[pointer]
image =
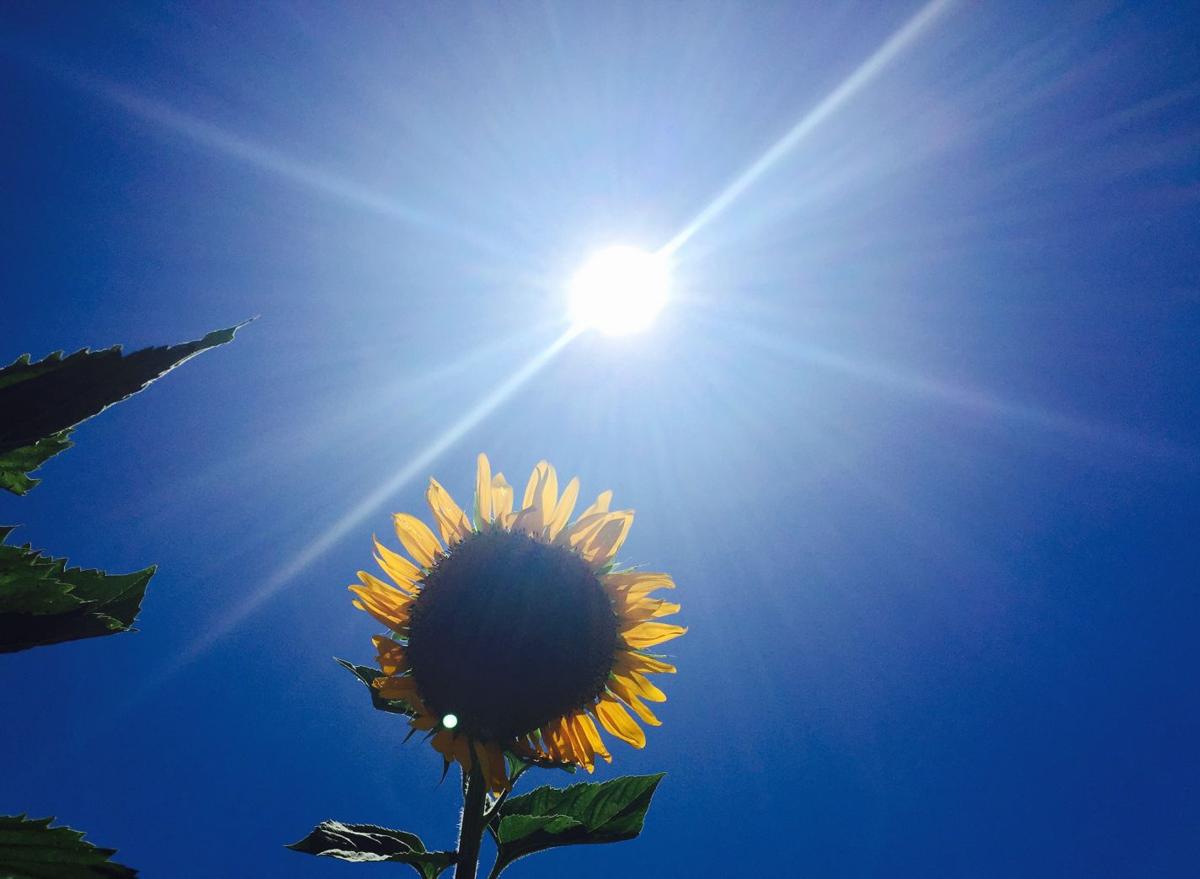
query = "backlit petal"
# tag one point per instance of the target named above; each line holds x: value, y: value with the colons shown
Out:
x: 638, y: 584
x: 584, y: 723
x: 502, y: 496
x: 388, y: 605
x: 541, y: 490
x: 623, y: 688
x: 614, y: 718
x: 602, y: 547
x: 396, y: 688
x: 583, y: 746
x: 629, y: 661
x: 645, y: 609
x: 391, y: 656
x: 645, y: 688
x: 649, y: 634
x: 583, y: 529
x: 603, y: 500
x: 483, y: 493
x: 396, y: 566
x: 420, y: 542
x: 562, y: 512
x: 452, y: 522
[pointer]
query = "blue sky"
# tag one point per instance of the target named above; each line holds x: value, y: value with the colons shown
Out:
x: 917, y: 434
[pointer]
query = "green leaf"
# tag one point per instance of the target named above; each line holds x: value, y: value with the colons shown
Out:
x: 367, y: 843
x: 32, y: 849
x: 14, y: 465
x: 42, y: 601
x: 40, y: 402
x: 367, y: 675
x: 582, y: 814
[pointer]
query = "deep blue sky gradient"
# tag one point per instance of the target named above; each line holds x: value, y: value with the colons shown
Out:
x: 918, y: 435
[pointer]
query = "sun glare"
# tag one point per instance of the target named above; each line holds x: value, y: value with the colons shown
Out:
x: 619, y: 290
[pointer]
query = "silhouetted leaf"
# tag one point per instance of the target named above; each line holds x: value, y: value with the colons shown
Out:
x: 582, y: 814
x: 367, y: 675
x: 42, y: 601
x: 15, y: 464
x: 32, y: 849
x: 367, y: 843
x: 40, y: 402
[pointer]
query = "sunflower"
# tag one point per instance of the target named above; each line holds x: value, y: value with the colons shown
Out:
x: 516, y: 632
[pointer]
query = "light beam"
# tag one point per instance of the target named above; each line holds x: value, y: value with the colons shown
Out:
x: 850, y: 86
x: 353, y: 517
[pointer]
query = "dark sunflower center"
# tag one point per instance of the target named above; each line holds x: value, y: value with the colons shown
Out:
x: 508, y: 633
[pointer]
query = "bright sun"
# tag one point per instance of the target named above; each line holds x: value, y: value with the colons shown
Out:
x: 619, y: 290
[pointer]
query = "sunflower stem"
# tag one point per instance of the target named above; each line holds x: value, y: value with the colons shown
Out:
x: 470, y: 832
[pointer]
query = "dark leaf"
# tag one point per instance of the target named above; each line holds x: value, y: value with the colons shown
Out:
x: 42, y: 601
x: 367, y: 675
x: 32, y: 849
x: 367, y: 843
x: 40, y: 401
x: 582, y: 814
x: 14, y: 465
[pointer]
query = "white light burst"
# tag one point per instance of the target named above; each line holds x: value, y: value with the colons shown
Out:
x: 619, y: 290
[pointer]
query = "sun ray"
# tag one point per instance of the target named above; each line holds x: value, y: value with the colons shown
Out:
x: 851, y: 85
x: 415, y: 467
x: 236, y: 146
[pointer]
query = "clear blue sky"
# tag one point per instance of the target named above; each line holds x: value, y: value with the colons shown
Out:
x: 918, y: 434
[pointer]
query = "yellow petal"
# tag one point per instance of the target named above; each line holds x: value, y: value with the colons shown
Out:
x: 562, y: 747
x: 483, y: 493
x: 645, y: 609
x: 638, y: 584
x: 578, y: 753
x: 420, y: 542
x: 582, y: 530
x: 388, y: 605
x: 602, y: 547
x: 396, y: 566
x: 630, y: 661
x: 502, y: 496
x: 600, y: 506
x: 548, y: 746
x: 541, y: 491
x: 624, y: 689
x: 649, y: 634
x: 384, y: 591
x: 585, y: 725
x: 582, y: 744
x: 452, y: 522
x: 614, y: 718
x: 392, y: 658
x: 528, y: 522
x: 645, y: 688
x: 562, y: 512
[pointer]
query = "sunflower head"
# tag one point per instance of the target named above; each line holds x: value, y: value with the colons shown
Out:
x: 515, y: 632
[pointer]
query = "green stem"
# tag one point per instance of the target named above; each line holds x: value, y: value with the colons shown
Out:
x: 470, y: 832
